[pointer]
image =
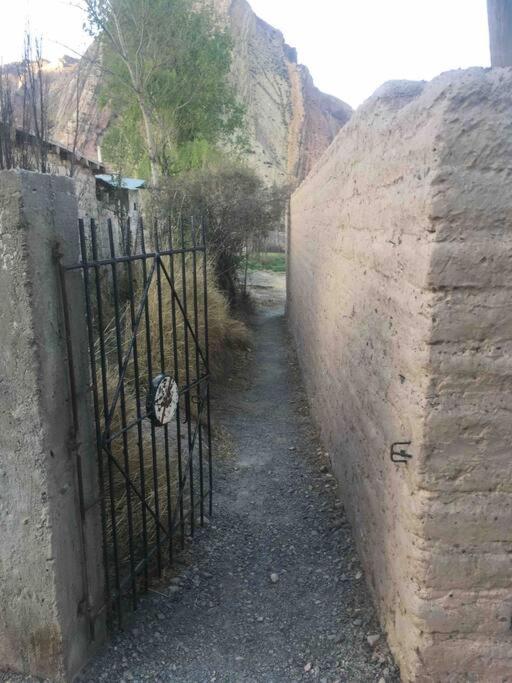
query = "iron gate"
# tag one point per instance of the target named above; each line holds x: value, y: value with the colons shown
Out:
x: 146, y: 309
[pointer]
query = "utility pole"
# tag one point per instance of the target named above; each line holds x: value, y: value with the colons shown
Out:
x: 500, y: 29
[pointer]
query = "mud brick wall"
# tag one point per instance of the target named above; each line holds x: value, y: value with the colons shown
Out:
x: 400, y: 303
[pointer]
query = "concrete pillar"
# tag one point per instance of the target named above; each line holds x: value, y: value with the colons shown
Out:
x: 51, y: 573
x: 500, y: 29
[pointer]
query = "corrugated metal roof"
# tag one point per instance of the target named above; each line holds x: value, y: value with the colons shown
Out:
x: 123, y: 183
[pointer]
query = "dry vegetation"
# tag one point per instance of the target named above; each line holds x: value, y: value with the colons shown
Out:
x: 141, y: 451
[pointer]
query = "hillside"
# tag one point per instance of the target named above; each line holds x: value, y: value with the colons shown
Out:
x: 290, y: 121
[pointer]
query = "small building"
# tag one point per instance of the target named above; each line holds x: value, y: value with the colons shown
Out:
x: 121, y: 195
x: 101, y: 196
x: 95, y: 185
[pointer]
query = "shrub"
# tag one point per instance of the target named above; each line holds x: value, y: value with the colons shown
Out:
x: 239, y: 209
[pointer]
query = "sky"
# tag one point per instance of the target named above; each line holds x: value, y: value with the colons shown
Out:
x: 351, y: 47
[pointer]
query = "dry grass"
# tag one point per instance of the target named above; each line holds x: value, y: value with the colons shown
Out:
x: 225, y: 333
x: 152, y: 475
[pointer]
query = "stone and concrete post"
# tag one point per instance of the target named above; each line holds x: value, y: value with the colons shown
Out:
x: 500, y: 29
x: 51, y: 574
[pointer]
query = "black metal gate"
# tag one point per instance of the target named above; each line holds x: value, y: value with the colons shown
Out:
x: 146, y: 306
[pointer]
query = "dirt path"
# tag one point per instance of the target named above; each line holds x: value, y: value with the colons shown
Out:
x: 275, y: 592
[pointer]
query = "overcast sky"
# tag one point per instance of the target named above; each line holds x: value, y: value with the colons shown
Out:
x: 350, y: 46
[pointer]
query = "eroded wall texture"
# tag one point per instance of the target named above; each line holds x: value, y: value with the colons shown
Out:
x: 51, y: 571
x: 400, y: 304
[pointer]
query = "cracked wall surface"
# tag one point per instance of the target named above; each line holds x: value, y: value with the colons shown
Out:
x: 400, y: 305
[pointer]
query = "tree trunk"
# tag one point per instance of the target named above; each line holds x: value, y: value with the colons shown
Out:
x: 150, y: 142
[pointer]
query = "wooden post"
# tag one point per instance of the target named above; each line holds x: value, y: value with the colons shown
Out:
x: 500, y: 29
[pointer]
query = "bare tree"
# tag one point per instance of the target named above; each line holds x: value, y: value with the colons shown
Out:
x: 239, y: 208
x: 35, y: 106
x: 7, y: 123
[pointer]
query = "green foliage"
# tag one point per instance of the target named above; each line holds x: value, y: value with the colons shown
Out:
x: 124, y: 146
x: 166, y: 66
x: 267, y: 261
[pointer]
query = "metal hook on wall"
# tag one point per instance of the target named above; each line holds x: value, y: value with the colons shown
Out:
x: 401, y: 457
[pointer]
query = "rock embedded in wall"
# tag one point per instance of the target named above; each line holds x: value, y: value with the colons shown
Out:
x: 401, y: 315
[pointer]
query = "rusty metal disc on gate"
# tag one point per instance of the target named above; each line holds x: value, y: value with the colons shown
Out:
x: 162, y: 400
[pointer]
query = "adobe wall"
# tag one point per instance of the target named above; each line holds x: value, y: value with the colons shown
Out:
x: 400, y: 304
x: 51, y: 569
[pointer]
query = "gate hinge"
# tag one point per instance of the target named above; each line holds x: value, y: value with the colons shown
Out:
x: 401, y: 456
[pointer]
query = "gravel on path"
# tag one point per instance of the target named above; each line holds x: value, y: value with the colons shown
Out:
x: 274, y: 591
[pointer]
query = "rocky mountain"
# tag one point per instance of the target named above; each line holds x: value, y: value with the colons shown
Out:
x: 74, y: 86
x: 290, y: 121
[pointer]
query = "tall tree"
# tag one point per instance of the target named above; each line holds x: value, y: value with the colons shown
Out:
x: 166, y: 66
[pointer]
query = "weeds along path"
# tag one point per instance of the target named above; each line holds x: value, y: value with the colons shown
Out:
x: 274, y: 590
